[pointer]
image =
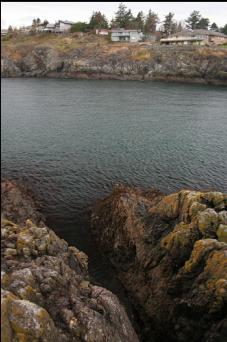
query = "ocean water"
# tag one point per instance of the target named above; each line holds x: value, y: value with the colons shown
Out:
x: 71, y: 140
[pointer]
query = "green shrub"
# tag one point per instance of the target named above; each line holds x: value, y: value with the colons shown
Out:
x: 79, y: 27
x: 7, y: 37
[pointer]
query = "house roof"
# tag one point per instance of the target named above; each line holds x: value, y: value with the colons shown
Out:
x: 209, y: 33
x: 172, y: 39
x: 124, y: 30
x: 50, y: 26
x: 192, y: 33
x: 66, y: 22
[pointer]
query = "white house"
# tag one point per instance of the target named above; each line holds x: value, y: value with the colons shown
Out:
x: 4, y: 32
x: 119, y: 35
x: 50, y: 28
x: 102, y: 32
x: 65, y: 25
x: 60, y: 26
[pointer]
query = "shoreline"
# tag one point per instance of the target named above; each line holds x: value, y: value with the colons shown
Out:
x: 114, y: 77
x: 158, y: 246
x: 98, y: 59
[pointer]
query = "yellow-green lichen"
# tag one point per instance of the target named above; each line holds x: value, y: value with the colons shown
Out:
x: 222, y: 233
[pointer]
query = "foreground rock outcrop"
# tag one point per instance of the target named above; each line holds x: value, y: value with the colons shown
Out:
x: 46, y: 290
x: 95, y: 57
x: 170, y: 252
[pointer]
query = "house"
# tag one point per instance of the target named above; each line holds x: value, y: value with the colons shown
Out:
x: 50, y: 28
x: 102, y: 32
x: 3, y: 32
x: 211, y: 37
x: 119, y: 35
x: 198, y: 37
x: 61, y: 26
x: 182, y: 41
x: 65, y: 25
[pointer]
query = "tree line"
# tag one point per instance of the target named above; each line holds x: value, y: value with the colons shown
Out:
x: 147, y: 22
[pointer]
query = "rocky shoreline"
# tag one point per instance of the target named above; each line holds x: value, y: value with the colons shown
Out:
x: 46, y: 290
x: 99, y: 60
x: 170, y: 253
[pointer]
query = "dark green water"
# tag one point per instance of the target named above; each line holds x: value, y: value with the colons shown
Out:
x: 72, y: 140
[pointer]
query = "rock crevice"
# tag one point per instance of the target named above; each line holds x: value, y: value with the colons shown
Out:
x: 170, y: 253
x: 47, y: 294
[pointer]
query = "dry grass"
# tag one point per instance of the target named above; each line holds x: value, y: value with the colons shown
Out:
x: 64, y: 43
x: 206, y: 52
x: 141, y: 54
x: 19, y: 46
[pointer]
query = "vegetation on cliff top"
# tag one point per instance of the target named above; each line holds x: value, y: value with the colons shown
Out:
x: 21, y: 45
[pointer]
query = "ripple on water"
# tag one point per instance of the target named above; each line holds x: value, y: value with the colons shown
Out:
x: 72, y: 140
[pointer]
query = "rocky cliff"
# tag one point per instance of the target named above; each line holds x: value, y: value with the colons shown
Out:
x: 46, y: 290
x: 95, y: 57
x: 170, y: 252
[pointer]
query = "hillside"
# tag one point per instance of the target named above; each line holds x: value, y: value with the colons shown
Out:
x: 92, y: 56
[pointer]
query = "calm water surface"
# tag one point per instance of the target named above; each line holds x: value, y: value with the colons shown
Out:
x: 72, y: 140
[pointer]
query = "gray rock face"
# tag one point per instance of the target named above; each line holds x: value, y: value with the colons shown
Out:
x: 46, y: 291
x: 9, y: 68
x: 188, y: 64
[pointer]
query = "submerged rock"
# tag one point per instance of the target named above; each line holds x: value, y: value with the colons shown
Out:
x: 171, y: 255
x: 46, y: 290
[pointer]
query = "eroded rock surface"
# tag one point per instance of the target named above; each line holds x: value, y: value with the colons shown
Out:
x: 95, y: 58
x: 170, y: 252
x: 46, y: 290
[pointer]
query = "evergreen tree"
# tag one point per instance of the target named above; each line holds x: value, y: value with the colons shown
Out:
x: 224, y: 29
x: 98, y: 21
x: 79, y: 27
x: 113, y: 23
x: 174, y: 28
x: 139, y: 21
x: 214, y: 27
x: 169, y: 25
x: 193, y: 20
x: 151, y: 22
x: 124, y: 18
x: 129, y: 20
x: 179, y: 27
x: 203, y: 24
x: 121, y: 16
x: 45, y: 22
x: 10, y: 29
